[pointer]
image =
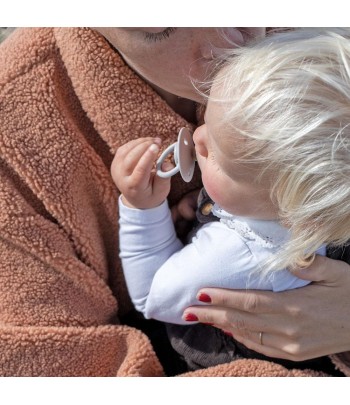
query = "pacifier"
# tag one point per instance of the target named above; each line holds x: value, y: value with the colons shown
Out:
x: 184, y: 157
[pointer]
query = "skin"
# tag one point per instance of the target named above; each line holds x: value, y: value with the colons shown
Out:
x: 243, y: 195
x: 169, y: 63
x: 296, y: 325
x: 245, y: 315
x: 134, y: 175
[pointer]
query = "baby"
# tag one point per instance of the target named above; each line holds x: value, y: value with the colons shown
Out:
x: 274, y: 154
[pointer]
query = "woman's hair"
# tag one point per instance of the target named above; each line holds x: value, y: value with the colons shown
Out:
x: 289, y: 96
x: 5, y: 32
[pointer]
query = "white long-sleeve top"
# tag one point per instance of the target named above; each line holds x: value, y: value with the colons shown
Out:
x: 163, y: 276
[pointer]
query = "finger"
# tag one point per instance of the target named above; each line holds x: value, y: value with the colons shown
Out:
x: 323, y: 269
x: 132, y: 159
x: 125, y: 149
x: 277, y: 340
x: 161, y: 185
x: 270, y: 345
x: 118, y: 164
x: 252, y: 301
x: 142, y: 170
x: 228, y: 319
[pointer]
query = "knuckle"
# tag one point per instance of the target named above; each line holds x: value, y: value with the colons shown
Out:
x: 294, y: 352
x: 295, y: 312
x: 127, y: 161
x: 251, y: 303
x: 222, y: 319
x: 246, y: 334
x: 293, y: 333
x: 240, y: 324
x: 206, y: 318
x: 228, y: 317
x: 223, y: 300
x: 220, y: 297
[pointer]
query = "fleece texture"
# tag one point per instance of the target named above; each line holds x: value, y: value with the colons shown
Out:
x: 67, y: 101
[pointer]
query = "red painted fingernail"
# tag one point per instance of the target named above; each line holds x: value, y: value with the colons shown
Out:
x: 204, y: 297
x: 191, y: 317
x: 227, y: 333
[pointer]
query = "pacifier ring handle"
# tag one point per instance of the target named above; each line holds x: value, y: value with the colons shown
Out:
x: 167, y: 152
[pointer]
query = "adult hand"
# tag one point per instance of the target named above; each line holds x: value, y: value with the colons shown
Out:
x: 297, y: 324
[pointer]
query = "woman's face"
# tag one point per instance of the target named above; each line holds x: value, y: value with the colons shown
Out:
x: 170, y: 57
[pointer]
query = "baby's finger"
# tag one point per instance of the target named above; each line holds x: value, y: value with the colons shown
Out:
x: 162, y: 185
x: 132, y: 159
x: 123, y: 150
x: 127, y: 151
x: 142, y: 171
x: 118, y: 165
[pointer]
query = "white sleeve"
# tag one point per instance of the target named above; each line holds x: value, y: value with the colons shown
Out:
x: 147, y: 239
x: 163, y: 276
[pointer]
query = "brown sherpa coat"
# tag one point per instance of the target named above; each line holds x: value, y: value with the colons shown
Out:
x: 67, y: 101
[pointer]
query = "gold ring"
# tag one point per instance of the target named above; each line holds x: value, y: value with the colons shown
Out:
x: 260, y: 338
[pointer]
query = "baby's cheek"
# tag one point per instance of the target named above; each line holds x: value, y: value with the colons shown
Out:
x: 212, y: 187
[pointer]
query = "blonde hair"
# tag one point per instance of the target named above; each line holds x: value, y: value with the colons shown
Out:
x: 289, y: 95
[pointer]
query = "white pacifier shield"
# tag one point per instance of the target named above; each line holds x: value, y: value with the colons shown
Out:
x: 184, y: 156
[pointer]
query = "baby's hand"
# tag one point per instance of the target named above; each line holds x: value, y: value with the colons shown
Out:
x: 134, y: 174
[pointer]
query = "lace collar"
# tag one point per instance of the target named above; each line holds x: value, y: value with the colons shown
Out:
x: 266, y: 233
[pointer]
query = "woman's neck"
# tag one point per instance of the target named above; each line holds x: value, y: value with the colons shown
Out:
x: 183, y: 106
x: 186, y: 108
